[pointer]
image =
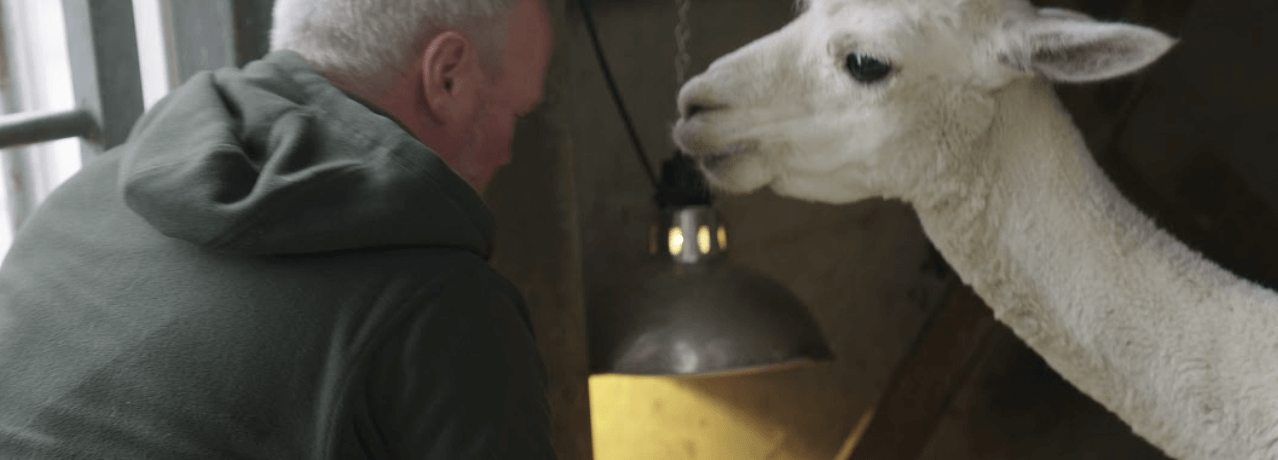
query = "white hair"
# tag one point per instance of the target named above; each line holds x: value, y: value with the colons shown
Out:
x: 367, y: 43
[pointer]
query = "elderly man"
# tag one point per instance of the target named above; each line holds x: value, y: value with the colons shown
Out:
x: 288, y: 261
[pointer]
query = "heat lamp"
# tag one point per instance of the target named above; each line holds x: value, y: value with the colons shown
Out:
x: 690, y: 310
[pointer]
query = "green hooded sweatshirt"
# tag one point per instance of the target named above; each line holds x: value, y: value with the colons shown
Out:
x: 267, y: 269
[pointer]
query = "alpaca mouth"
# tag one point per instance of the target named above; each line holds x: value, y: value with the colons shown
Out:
x: 709, y: 169
x: 713, y: 161
x: 716, y: 161
x: 714, y: 166
x: 722, y: 154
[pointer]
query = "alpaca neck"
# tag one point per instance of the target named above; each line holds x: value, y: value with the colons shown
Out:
x: 1180, y: 349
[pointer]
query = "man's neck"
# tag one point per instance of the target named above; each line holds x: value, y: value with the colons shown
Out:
x: 377, y: 109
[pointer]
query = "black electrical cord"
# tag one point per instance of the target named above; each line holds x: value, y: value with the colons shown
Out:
x: 616, y: 95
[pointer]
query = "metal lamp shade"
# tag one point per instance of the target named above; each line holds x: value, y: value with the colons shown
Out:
x: 693, y: 312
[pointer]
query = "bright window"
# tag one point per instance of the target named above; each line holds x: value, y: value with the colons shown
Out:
x: 35, y: 59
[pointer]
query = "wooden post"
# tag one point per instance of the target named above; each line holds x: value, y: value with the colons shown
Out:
x: 927, y: 379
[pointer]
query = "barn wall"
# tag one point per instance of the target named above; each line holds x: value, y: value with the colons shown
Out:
x: 864, y: 269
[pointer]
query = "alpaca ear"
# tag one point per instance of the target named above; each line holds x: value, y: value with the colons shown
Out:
x: 1066, y: 46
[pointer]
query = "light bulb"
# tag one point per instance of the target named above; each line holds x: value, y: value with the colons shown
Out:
x: 676, y: 241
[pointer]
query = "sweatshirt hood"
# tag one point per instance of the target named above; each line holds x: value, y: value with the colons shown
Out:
x: 275, y: 159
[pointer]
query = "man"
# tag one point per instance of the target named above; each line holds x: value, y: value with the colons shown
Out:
x: 289, y: 261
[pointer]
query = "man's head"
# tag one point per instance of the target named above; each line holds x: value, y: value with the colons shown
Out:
x: 457, y: 73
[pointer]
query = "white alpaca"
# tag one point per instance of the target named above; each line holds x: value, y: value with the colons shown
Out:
x: 947, y: 105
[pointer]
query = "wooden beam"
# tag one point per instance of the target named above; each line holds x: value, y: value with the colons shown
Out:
x: 927, y: 379
x: 199, y: 36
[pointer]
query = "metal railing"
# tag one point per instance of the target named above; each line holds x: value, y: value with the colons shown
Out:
x: 33, y: 127
x: 102, y: 51
x: 102, y: 47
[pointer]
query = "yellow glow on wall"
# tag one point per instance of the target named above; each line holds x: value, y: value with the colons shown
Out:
x: 676, y: 241
x: 653, y: 233
x: 656, y: 418
x: 703, y: 239
x: 723, y: 238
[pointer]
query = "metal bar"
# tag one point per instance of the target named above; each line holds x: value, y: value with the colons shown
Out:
x: 32, y: 127
x: 103, y: 48
x: 199, y: 36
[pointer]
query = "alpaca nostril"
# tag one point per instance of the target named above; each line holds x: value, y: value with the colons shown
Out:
x: 694, y: 109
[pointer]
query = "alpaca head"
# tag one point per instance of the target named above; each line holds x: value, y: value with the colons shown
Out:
x: 865, y: 98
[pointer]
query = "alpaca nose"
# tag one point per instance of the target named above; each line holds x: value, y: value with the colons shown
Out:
x: 698, y: 97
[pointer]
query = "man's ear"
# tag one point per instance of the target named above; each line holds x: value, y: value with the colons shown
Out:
x: 1066, y: 46
x: 451, y: 77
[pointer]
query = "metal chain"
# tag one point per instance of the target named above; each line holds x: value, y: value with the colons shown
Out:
x: 682, y: 32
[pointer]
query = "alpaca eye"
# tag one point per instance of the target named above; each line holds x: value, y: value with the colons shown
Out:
x: 866, y: 69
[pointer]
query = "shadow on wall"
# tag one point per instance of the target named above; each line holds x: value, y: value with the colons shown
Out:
x: 1017, y: 408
